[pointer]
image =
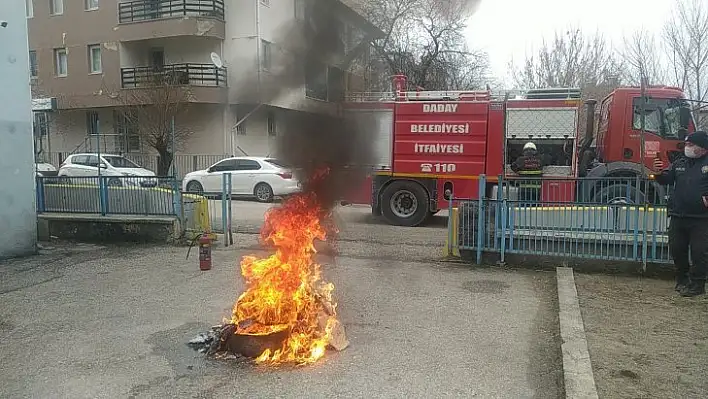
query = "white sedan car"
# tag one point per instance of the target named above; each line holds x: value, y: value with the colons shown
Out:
x: 118, y: 170
x: 262, y: 178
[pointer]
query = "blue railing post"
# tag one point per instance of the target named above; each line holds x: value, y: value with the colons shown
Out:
x: 103, y: 195
x: 177, y: 199
x: 229, y: 191
x: 450, y: 225
x: 41, y: 205
x: 645, y: 248
x: 224, y: 212
x: 480, y: 216
x: 503, y: 231
x: 635, y: 246
x: 498, y: 220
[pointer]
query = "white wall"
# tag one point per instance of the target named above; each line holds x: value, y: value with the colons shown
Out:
x: 18, y: 215
x: 67, y: 129
x: 241, y: 45
x: 177, y: 50
x: 246, y: 26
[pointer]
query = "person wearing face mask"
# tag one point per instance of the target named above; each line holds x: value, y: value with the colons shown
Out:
x: 688, y: 212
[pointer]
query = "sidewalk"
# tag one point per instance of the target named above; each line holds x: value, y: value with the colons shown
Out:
x: 114, y: 322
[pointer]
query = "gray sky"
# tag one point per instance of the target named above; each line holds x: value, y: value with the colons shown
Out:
x: 513, y: 28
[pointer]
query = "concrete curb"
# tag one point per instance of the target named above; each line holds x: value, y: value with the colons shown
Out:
x: 577, y: 368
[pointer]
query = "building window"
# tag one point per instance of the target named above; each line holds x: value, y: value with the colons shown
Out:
x: 265, y: 55
x: 92, y: 123
x: 29, y: 8
x: 299, y: 9
x: 33, y: 63
x: 316, y: 80
x: 61, y: 67
x: 127, y: 134
x: 41, y: 124
x: 241, y: 128
x: 335, y: 84
x: 90, y: 5
x: 272, y: 126
x: 56, y: 7
x: 94, y: 55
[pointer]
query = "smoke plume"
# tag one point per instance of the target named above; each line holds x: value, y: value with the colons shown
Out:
x: 320, y: 146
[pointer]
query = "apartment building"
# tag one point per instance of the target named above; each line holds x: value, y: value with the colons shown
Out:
x: 85, y: 54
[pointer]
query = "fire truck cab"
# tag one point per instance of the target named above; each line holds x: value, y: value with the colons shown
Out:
x: 432, y: 146
x: 615, y: 148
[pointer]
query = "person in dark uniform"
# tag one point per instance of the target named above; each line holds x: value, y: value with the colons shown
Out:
x: 530, y: 166
x: 688, y: 212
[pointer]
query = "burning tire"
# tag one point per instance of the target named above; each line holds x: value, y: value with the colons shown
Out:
x: 405, y: 203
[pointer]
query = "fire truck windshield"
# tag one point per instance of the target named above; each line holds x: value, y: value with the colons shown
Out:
x: 669, y: 118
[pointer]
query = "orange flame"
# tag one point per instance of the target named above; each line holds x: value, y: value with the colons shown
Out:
x: 285, y: 291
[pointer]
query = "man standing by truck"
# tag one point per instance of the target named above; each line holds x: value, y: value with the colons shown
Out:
x: 688, y: 210
x: 530, y: 167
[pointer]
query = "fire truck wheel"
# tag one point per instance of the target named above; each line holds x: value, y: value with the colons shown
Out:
x: 405, y: 203
x: 619, y: 194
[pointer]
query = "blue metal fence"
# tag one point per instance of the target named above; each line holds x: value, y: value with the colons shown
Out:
x: 124, y: 195
x: 524, y: 217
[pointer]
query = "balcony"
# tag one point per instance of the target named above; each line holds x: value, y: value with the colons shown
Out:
x: 149, y: 10
x: 204, y: 80
x: 205, y: 75
x: 148, y: 19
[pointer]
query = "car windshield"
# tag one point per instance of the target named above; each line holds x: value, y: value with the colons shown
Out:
x: 120, y: 162
x: 277, y: 163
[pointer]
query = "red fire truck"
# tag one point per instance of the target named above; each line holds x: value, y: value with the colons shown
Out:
x: 431, y: 144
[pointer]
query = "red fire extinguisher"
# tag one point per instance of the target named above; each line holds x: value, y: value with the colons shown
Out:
x: 204, y: 252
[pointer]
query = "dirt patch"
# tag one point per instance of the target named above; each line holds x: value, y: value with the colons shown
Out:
x: 644, y: 340
x: 546, y: 357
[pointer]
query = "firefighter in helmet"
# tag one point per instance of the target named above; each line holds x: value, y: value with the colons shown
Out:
x: 529, y: 166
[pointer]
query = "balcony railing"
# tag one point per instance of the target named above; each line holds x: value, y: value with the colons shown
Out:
x: 174, y: 74
x: 148, y: 10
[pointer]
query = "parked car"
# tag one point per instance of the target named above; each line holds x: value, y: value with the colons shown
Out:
x: 118, y: 170
x: 45, y: 169
x: 258, y: 177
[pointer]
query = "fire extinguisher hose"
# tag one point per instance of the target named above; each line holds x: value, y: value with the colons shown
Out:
x: 192, y: 242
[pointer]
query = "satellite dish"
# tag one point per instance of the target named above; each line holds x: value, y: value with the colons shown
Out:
x: 216, y: 60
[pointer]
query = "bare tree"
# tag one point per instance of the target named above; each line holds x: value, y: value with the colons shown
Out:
x: 151, y: 111
x: 686, y: 37
x: 643, y: 59
x: 571, y: 59
x: 424, y: 39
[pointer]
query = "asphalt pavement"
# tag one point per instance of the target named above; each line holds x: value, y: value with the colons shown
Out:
x: 83, y: 321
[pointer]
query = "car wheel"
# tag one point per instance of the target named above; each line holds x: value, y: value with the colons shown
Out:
x: 114, y: 182
x: 263, y: 192
x: 405, y: 203
x: 195, y: 187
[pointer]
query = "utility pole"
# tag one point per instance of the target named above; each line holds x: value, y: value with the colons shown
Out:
x: 642, y: 118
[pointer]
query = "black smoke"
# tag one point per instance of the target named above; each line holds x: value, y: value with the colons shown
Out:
x: 325, y: 148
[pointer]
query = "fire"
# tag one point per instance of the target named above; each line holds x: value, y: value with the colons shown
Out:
x: 285, y: 291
